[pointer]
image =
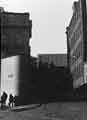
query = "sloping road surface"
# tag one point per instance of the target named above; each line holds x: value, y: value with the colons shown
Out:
x: 52, y: 111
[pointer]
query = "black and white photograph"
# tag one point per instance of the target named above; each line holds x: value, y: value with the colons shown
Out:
x: 43, y: 67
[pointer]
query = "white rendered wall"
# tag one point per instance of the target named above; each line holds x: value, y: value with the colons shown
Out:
x: 9, y: 75
x: 85, y: 72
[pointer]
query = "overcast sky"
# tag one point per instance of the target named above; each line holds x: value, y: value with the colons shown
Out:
x: 49, y: 18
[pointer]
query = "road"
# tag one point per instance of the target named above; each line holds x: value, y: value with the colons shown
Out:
x: 53, y: 111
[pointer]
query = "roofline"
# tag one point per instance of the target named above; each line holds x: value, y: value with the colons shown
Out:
x: 53, y: 54
x: 16, y: 13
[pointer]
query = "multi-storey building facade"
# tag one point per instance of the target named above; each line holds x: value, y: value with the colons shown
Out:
x: 15, y: 33
x: 58, y: 60
x: 77, y: 43
x: 15, y: 53
x: 53, y: 74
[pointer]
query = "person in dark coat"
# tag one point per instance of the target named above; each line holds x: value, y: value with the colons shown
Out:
x: 11, y: 100
x: 15, y: 97
x: 3, y: 99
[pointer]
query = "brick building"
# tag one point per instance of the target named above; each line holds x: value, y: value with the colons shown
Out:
x: 77, y: 43
x: 15, y: 33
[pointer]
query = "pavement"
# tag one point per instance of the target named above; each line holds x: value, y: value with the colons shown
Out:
x: 25, y: 107
x: 51, y: 111
x: 12, y: 113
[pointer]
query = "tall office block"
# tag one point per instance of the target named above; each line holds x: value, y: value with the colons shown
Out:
x: 77, y: 43
x: 15, y: 33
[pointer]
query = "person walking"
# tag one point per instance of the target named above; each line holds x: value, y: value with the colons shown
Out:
x: 11, y: 100
x: 3, y: 100
x: 15, y: 99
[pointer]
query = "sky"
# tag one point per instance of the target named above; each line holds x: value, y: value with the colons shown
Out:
x: 49, y: 21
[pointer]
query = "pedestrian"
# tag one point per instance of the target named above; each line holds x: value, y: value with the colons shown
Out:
x: 11, y: 100
x: 3, y: 100
x: 14, y: 99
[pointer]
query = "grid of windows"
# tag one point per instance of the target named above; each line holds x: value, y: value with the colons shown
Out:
x: 76, y: 35
x: 78, y: 52
x: 75, y: 17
